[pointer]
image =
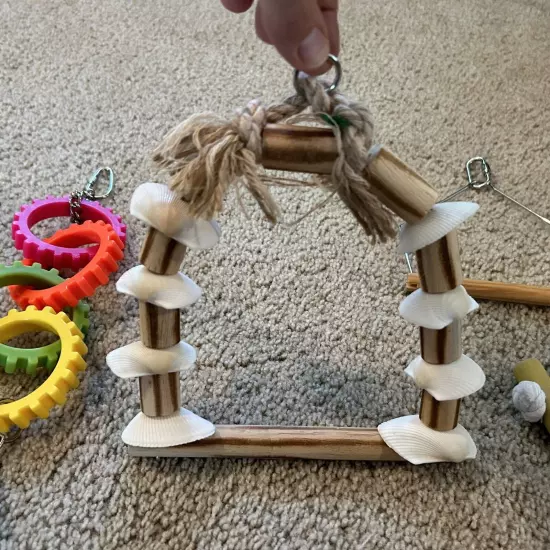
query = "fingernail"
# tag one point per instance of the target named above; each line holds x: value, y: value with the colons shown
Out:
x: 314, y: 49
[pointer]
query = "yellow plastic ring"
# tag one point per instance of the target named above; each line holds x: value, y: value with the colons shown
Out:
x: 54, y: 390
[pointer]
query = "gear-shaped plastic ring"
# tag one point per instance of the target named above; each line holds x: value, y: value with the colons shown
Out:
x: 47, y: 253
x: 25, y: 359
x: 84, y: 283
x: 54, y: 390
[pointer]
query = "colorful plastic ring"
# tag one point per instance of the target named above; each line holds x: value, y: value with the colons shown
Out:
x: 30, y: 359
x: 84, y: 283
x: 54, y: 390
x: 47, y: 253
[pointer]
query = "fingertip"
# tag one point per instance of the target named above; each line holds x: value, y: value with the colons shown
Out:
x: 237, y: 6
x: 260, y: 27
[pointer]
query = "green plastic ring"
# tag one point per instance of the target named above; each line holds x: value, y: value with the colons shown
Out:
x: 30, y: 359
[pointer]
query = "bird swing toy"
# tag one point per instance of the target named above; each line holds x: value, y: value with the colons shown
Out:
x: 204, y: 157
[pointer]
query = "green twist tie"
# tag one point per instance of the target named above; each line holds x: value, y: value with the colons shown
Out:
x: 336, y: 120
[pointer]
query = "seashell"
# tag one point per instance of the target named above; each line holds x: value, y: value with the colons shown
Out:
x: 445, y: 382
x: 436, y: 311
x: 418, y: 444
x: 161, y: 208
x: 136, y: 360
x: 166, y: 291
x: 529, y: 399
x: 440, y: 220
x: 166, y: 431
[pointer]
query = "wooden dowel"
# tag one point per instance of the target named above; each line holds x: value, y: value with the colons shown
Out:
x: 160, y: 394
x: 298, y: 148
x: 440, y: 271
x: 439, y: 265
x: 399, y: 187
x: 159, y: 327
x: 441, y: 347
x: 161, y: 254
x: 313, y: 150
x: 439, y: 415
x: 495, y: 291
x: 283, y: 442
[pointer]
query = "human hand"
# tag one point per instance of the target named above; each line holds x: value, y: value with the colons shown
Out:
x: 303, y: 31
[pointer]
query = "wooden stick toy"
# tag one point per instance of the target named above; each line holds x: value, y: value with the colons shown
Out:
x: 204, y: 157
x: 495, y: 291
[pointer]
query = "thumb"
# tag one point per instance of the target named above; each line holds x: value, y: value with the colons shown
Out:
x: 299, y: 30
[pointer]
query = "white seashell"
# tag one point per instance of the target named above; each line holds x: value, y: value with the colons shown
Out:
x: 529, y: 398
x: 436, y: 311
x: 166, y: 291
x: 161, y: 208
x: 445, y: 382
x: 418, y: 444
x: 136, y: 360
x: 440, y: 220
x: 166, y: 431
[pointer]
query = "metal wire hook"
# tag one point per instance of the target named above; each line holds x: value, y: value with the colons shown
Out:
x: 16, y: 433
x: 484, y: 169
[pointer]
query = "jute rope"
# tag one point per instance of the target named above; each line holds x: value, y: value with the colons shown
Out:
x: 207, y: 154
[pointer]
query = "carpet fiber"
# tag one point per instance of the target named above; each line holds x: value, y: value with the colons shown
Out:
x: 298, y: 324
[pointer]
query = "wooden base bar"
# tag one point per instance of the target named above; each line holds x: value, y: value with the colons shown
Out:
x: 439, y: 415
x: 283, y: 442
x: 441, y: 347
x: 439, y: 265
x: 495, y: 291
x: 161, y: 254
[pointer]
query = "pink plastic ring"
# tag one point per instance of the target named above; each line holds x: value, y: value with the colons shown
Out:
x: 47, y: 254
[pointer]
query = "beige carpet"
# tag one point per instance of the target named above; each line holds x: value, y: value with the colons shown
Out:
x: 297, y: 325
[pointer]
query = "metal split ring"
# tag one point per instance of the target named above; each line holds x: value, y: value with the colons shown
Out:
x: 337, y: 77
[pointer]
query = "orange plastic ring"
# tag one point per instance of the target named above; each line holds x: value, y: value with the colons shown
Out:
x: 84, y: 283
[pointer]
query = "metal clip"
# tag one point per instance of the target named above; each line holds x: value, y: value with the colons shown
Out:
x: 89, y: 193
x: 89, y: 190
x: 478, y: 167
x: 485, y: 171
x: 16, y: 433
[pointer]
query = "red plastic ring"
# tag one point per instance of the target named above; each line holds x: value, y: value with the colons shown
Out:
x: 84, y: 283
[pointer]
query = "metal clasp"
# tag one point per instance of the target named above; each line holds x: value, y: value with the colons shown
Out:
x: 89, y: 189
x: 482, y: 170
x: 89, y: 193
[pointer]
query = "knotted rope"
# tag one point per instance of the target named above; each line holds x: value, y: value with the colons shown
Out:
x: 206, y: 154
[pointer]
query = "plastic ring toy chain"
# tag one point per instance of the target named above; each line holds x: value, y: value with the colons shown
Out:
x: 28, y: 360
x: 44, y: 251
x: 54, y: 390
x: 84, y: 283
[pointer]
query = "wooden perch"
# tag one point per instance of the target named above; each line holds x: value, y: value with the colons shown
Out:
x: 495, y: 291
x: 283, y: 442
x: 307, y: 149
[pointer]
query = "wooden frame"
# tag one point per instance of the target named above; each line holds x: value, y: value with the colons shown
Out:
x: 407, y: 195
